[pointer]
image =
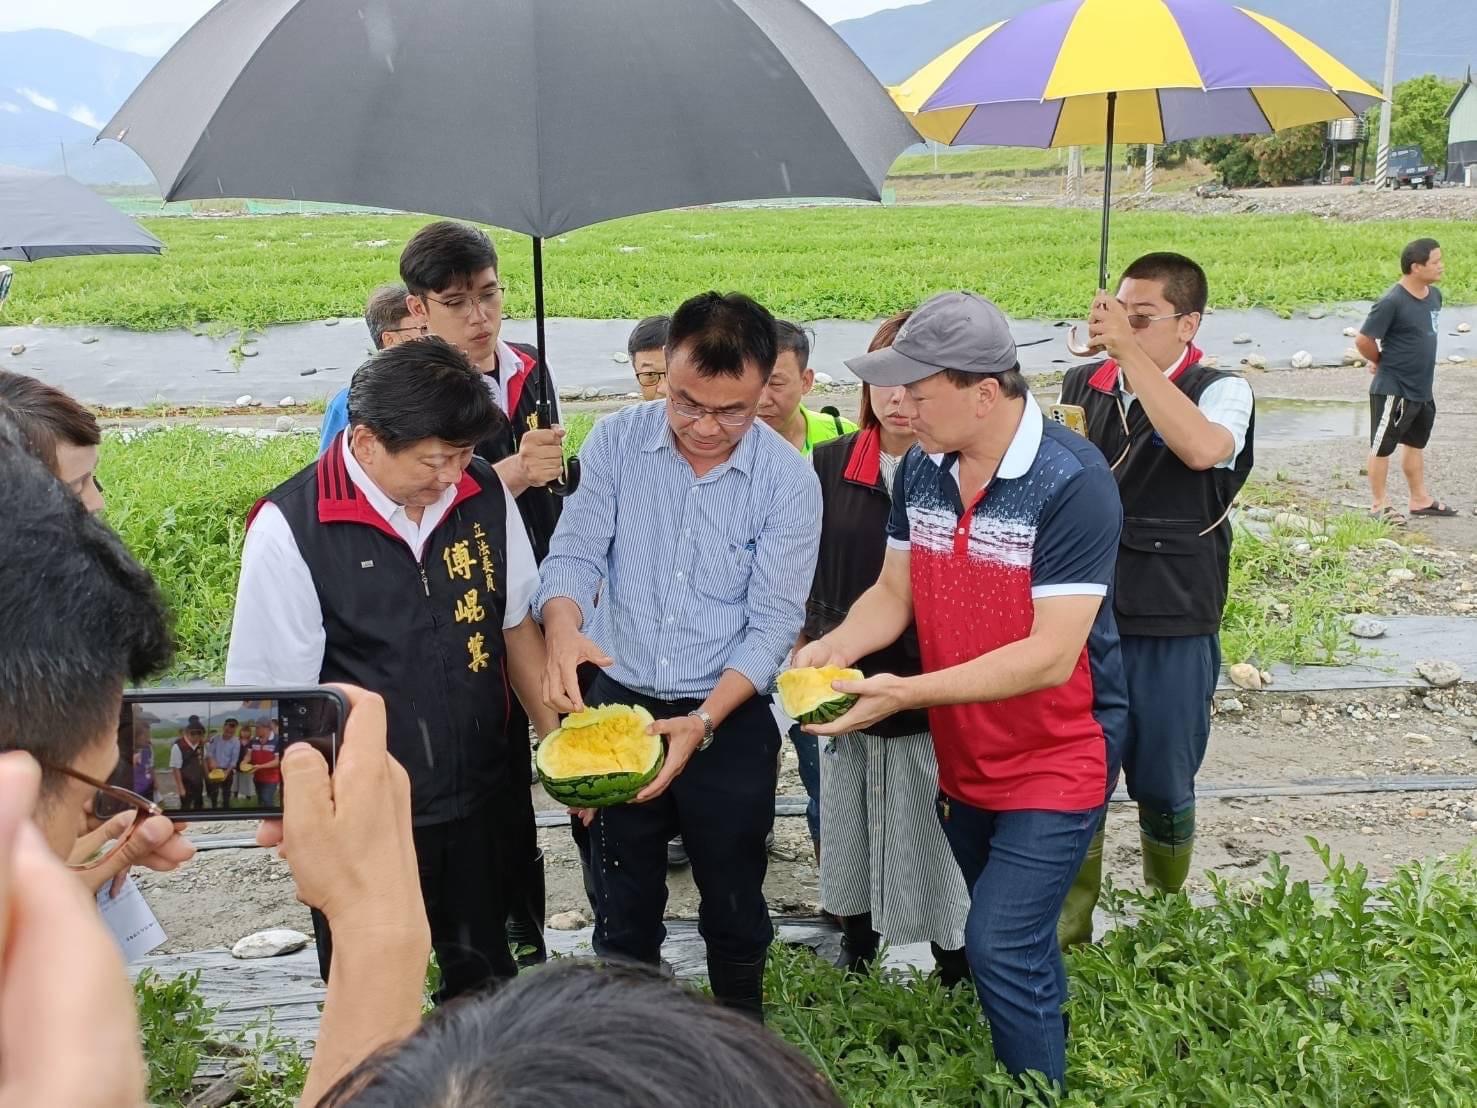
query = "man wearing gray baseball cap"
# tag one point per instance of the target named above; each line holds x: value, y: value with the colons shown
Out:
x: 1001, y: 548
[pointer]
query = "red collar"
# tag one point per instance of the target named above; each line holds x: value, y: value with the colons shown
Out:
x: 518, y: 380
x: 1105, y: 377
x: 864, y: 465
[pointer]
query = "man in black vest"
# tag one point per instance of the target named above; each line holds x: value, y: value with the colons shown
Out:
x: 1179, y: 438
x: 395, y: 563
x: 450, y: 271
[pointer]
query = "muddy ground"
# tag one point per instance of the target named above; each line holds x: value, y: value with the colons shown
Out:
x: 1275, y: 738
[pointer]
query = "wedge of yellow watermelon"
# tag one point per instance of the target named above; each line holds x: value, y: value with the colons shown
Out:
x: 806, y: 694
x: 599, y: 757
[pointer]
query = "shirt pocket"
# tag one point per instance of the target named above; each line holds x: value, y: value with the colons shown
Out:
x: 723, y: 573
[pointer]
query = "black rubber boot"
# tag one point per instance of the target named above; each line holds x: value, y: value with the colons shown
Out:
x: 858, y: 944
x: 950, y: 966
x: 739, y: 985
x: 526, y: 915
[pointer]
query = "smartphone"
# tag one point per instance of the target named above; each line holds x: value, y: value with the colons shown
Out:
x: 208, y: 754
x: 1072, y: 416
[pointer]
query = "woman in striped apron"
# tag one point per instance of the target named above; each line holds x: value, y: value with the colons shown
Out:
x: 886, y: 868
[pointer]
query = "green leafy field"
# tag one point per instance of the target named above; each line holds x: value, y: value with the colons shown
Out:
x: 1268, y: 996
x: 836, y: 262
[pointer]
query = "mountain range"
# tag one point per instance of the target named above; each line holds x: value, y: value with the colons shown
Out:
x: 57, y: 89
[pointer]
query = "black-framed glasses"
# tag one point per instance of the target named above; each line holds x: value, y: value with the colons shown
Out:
x: 107, y: 802
x: 468, y: 305
x: 418, y: 328
x: 650, y: 377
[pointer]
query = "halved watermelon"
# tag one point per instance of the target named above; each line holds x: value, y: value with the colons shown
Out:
x: 600, y: 757
x: 806, y: 694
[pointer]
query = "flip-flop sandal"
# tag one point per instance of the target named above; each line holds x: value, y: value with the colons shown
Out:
x: 1389, y: 515
x: 1435, y: 508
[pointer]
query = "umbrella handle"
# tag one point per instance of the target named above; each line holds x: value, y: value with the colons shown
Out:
x: 1077, y: 349
x: 570, y: 480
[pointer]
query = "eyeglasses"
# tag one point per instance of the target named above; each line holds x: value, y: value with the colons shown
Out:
x: 1141, y: 322
x: 468, y: 305
x: 107, y: 802
x: 692, y: 415
x: 418, y: 328
x: 650, y: 377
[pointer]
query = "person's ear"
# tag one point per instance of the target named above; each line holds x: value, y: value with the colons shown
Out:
x: 807, y: 380
x: 417, y: 308
x: 1189, y: 326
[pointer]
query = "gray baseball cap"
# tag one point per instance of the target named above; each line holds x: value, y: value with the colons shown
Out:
x: 953, y: 330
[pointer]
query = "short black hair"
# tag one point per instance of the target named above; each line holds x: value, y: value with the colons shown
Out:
x: 649, y: 334
x: 1417, y: 253
x: 230, y: 719
x: 1012, y: 382
x: 385, y: 311
x: 722, y: 333
x: 82, y: 618
x: 1185, y: 286
x: 423, y: 389
x: 575, y: 1032
x: 443, y: 254
x: 794, y: 338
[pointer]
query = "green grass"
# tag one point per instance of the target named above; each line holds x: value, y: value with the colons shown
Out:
x: 995, y: 159
x: 1270, y: 995
x: 839, y: 262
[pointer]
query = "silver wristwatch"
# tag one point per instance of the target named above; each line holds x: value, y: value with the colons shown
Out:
x: 707, y: 728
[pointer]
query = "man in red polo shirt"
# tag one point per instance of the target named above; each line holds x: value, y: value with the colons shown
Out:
x: 1001, y: 548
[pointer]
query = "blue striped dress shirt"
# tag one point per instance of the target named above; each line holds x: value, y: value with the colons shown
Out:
x: 694, y: 575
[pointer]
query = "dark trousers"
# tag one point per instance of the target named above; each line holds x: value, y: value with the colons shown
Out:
x: 808, y: 755
x: 722, y: 805
x: 525, y: 889
x: 220, y: 791
x: 1170, y: 685
x: 463, y: 868
x: 1018, y: 867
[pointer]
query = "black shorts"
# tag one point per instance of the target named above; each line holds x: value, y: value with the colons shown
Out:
x: 1395, y: 421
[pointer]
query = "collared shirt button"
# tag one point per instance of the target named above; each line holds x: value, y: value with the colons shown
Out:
x: 679, y: 575
x: 664, y: 661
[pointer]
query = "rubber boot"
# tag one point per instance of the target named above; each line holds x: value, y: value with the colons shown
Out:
x: 526, y: 915
x: 858, y: 944
x: 1165, y: 866
x: 949, y: 966
x: 1074, y: 925
x: 738, y: 985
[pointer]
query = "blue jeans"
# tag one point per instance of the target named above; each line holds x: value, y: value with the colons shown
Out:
x: 266, y: 794
x: 807, y: 752
x: 1018, y: 867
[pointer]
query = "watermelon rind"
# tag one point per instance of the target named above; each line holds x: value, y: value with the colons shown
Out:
x: 596, y: 790
x: 831, y: 705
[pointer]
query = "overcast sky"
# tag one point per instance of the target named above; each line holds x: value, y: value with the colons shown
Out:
x: 87, y: 17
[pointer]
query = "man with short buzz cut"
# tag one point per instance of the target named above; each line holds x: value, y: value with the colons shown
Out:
x: 1179, y: 435
x: 695, y: 526
x: 389, y: 321
x: 1000, y: 551
x: 647, y: 348
x: 1398, y: 340
x: 397, y: 563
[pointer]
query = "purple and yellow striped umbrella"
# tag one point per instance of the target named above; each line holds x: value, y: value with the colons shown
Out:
x: 1080, y: 72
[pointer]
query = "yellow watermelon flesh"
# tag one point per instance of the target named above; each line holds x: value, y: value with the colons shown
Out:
x: 806, y: 694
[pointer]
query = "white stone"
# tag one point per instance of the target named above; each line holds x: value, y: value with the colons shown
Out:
x: 1302, y: 360
x: 620, y: 356
x: 18, y: 348
x: 1463, y: 328
x: 270, y: 944
x: 1350, y: 332
x: 1316, y: 313
x: 1353, y: 357
x: 1244, y: 675
x: 1455, y: 359
x: 1400, y: 573
x: 286, y: 423
x: 567, y: 921
x: 1256, y: 361
x: 330, y: 323
x: 286, y: 402
x: 824, y: 379
x: 1242, y: 339
x: 1440, y: 673
x: 1231, y: 705
x: 89, y: 340
x: 1366, y: 627
x: 1290, y: 716
x: 243, y: 401
x: 1266, y: 676
x: 1291, y: 521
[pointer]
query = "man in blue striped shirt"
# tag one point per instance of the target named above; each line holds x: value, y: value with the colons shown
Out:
x: 697, y: 527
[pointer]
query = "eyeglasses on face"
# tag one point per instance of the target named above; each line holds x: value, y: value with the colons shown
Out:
x: 1141, y: 322
x: 469, y: 305
x: 649, y: 377
x: 692, y: 414
x: 107, y: 802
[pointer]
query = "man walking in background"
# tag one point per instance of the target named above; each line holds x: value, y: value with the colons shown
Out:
x: 1398, y: 340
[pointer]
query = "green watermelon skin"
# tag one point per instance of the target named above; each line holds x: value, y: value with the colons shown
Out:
x: 829, y: 710
x: 602, y: 790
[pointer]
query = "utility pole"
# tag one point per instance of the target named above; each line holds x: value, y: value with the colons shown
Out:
x: 1382, y: 154
x: 63, y: 147
x: 1074, y: 171
x: 1149, y: 170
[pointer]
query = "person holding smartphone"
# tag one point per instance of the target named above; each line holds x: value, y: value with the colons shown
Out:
x: 398, y: 562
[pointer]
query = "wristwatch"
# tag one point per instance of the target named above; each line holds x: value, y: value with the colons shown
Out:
x: 707, y: 728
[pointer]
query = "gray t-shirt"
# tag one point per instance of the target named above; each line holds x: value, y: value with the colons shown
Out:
x: 1406, y: 331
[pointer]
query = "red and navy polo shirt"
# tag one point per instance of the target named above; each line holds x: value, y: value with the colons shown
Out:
x: 1046, y: 525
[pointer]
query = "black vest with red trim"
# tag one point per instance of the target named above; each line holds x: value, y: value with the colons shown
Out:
x: 854, y: 510
x: 426, y: 635
x: 1171, y: 579
x: 538, y: 506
